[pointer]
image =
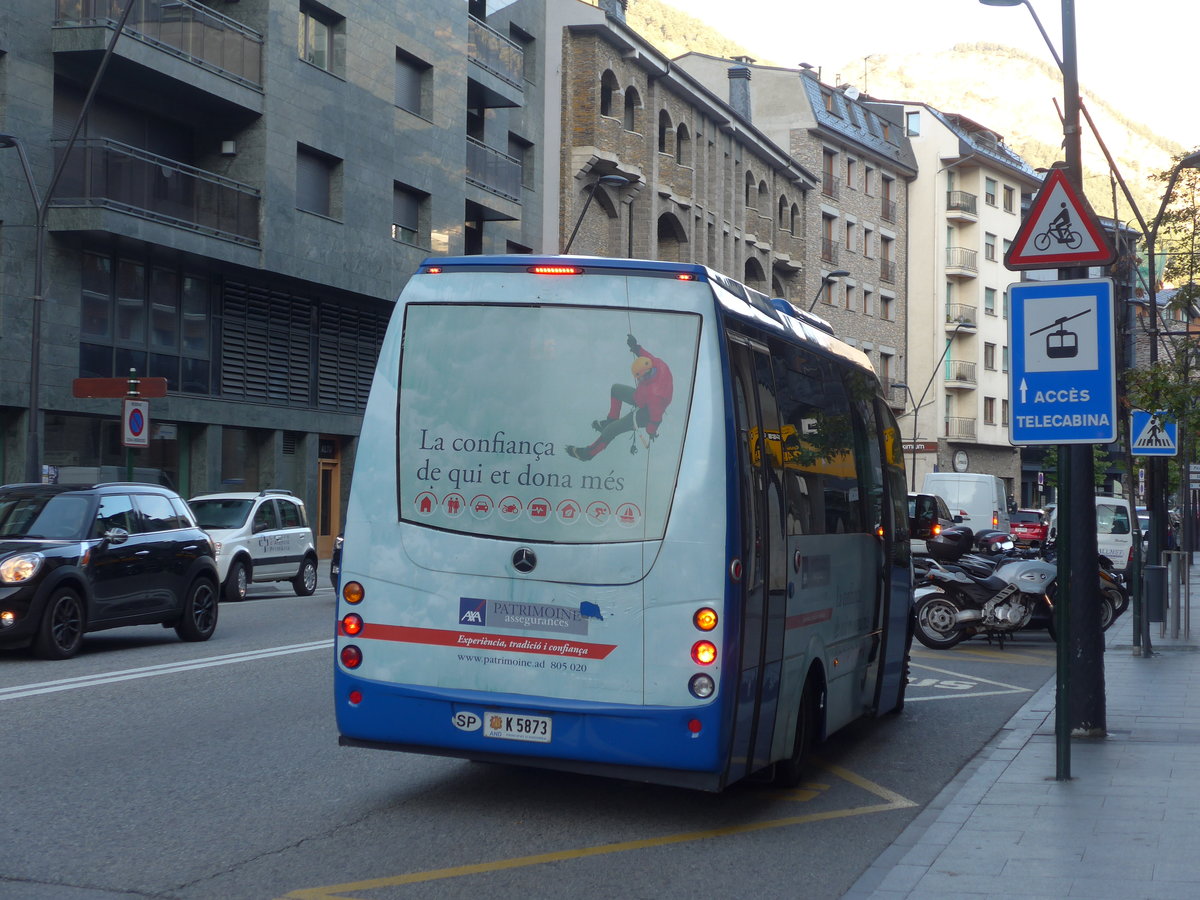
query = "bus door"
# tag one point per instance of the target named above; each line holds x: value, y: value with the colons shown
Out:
x: 763, y: 585
x: 896, y: 614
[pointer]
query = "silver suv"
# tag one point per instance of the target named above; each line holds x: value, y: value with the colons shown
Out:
x: 259, y: 537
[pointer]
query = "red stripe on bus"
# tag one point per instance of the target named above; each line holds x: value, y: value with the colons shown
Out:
x: 808, y: 618
x: 475, y: 641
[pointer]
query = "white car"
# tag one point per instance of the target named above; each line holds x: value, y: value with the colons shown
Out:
x: 259, y: 537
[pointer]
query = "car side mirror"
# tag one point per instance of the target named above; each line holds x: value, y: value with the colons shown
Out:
x: 116, y: 535
x: 958, y: 520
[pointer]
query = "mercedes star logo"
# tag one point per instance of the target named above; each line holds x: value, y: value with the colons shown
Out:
x: 524, y: 561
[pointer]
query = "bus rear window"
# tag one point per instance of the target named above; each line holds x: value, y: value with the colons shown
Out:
x: 543, y: 423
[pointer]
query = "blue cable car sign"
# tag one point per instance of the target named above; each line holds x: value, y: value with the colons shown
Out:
x: 1062, y: 377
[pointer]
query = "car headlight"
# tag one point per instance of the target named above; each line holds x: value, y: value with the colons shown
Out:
x: 20, y: 568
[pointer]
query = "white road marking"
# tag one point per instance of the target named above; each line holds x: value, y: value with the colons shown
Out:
x: 974, y: 679
x: 70, y: 684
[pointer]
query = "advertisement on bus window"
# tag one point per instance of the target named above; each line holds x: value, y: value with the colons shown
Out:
x: 541, y: 423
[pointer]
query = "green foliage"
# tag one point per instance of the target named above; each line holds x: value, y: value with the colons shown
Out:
x: 1100, y: 464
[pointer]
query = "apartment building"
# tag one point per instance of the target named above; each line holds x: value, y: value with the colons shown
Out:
x: 964, y: 210
x: 857, y: 226
x: 251, y: 187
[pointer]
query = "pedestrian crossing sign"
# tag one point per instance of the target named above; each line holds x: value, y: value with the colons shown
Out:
x: 1153, y: 433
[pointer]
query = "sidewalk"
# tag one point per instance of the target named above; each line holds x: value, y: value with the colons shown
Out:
x: 1124, y: 826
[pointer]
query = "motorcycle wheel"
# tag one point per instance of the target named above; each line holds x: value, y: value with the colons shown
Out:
x: 936, y: 628
x: 1110, y: 606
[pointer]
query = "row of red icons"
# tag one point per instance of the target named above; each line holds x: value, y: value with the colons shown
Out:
x: 510, y: 508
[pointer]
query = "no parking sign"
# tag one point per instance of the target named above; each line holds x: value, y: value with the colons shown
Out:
x: 136, y: 419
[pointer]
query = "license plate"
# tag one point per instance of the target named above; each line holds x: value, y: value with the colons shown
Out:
x: 516, y: 727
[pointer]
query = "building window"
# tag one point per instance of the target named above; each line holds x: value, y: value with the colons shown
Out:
x: 912, y: 121
x: 850, y: 297
x: 989, y: 301
x: 869, y: 181
x: 989, y: 191
x: 522, y: 151
x: 408, y: 207
x: 608, y: 87
x: 1003, y: 411
x: 1009, y: 199
x: 315, y: 173
x: 1004, y: 305
x: 319, y: 31
x: 412, y: 83
x: 664, y: 129
x: 683, y: 146
x: 989, y: 410
x: 1004, y: 358
x: 851, y: 174
x: 868, y: 302
x: 887, y: 308
x: 989, y: 247
x: 989, y: 357
x: 850, y: 244
x: 153, y: 318
x: 868, y: 240
x: 632, y: 102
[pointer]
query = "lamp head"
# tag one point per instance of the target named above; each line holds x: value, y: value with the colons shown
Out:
x: 7, y: 141
x: 613, y: 180
x: 1191, y: 161
x: 834, y: 275
x: 1003, y: 2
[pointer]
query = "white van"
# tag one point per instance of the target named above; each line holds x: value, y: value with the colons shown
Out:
x: 1114, y: 530
x: 978, y: 499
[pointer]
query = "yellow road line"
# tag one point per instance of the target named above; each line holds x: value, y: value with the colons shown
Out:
x: 891, y: 799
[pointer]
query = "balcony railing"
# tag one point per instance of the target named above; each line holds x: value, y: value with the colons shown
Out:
x: 888, y: 210
x: 961, y: 312
x: 960, y: 370
x: 829, y: 250
x: 962, y: 258
x: 961, y: 201
x: 112, y: 175
x: 887, y: 271
x: 182, y: 27
x: 830, y: 185
x: 493, y: 171
x: 960, y: 428
x: 491, y: 50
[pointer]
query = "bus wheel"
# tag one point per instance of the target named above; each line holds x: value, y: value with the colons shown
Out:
x: 788, y: 772
x: 936, y: 628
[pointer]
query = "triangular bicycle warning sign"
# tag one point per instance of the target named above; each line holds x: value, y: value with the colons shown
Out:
x: 1060, y: 230
x: 1153, y: 433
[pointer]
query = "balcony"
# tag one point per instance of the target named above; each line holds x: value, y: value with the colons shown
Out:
x: 960, y: 428
x: 106, y: 174
x: 830, y: 185
x: 887, y: 271
x: 182, y: 28
x: 897, y: 395
x: 962, y: 207
x: 961, y: 313
x: 962, y: 262
x: 829, y: 250
x: 493, y: 171
x: 887, y: 210
x: 960, y: 374
x: 494, y: 53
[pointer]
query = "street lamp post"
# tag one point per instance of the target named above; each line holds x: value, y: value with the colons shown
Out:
x: 32, y: 431
x: 1156, y: 488
x: 827, y: 280
x: 616, y: 181
x: 917, y: 403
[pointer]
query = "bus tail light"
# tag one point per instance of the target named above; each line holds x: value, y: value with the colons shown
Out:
x: 355, y: 698
x: 704, y: 652
x: 556, y: 270
x: 702, y: 686
x: 352, y: 592
x: 351, y: 656
x: 705, y: 619
x: 352, y: 624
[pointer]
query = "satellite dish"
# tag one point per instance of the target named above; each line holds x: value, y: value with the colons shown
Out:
x: 851, y: 92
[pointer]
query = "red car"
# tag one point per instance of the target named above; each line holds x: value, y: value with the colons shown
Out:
x: 1028, y: 527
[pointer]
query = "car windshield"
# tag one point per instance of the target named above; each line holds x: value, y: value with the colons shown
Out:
x: 227, y: 513
x: 51, y: 517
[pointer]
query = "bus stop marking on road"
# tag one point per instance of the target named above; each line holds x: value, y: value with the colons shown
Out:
x: 891, y: 801
x: 968, y: 682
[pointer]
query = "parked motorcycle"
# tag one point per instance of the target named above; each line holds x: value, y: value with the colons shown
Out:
x: 979, y: 584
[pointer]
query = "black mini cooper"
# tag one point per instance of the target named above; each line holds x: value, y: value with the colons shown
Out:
x: 79, y: 558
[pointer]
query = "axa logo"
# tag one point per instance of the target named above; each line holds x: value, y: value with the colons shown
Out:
x: 472, y: 611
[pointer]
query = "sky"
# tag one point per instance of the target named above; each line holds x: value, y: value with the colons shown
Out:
x: 1137, y: 56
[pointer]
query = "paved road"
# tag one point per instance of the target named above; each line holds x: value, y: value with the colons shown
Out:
x: 148, y: 767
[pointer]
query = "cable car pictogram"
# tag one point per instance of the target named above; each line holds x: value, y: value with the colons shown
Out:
x: 1061, y: 343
